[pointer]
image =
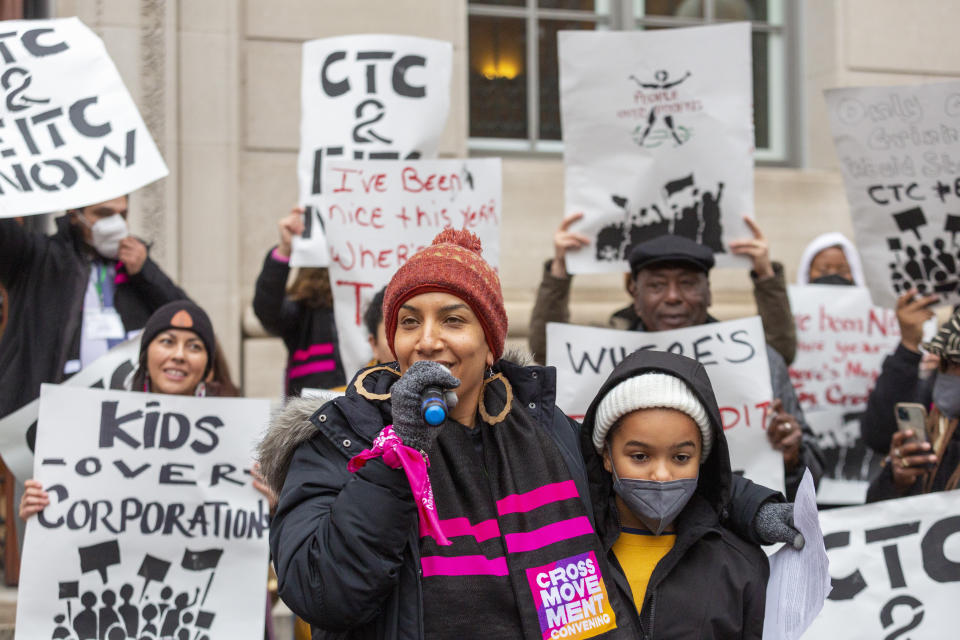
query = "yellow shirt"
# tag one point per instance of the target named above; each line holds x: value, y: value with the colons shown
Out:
x: 638, y: 553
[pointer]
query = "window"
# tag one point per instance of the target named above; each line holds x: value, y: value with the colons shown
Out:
x: 514, y: 89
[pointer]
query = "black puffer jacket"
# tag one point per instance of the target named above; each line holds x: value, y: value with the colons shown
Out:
x: 46, y: 278
x: 309, y: 333
x: 346, y: 546
x: 712, y: 584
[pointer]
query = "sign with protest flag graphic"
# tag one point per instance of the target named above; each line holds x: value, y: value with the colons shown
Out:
x: 380, y: 213
x: 154, y: 528
x: 733, y: 354
x: 894, y: 569
x: 376, y: 97
x: 657, y: 138
x: 899, y: 151
x: 70, y: 134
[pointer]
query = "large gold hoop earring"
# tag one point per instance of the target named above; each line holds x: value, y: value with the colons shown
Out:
x: 507, y: 405
x: 358, y: 383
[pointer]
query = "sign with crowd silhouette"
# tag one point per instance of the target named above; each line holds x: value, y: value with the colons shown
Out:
x: 894, y: 570
x: 153, y: 529
x: 379, y: 213
x: 658, y: 138
x: 70, y: 134
x: 733, y: 354
x: 899, y: 152
x: 366, y: 97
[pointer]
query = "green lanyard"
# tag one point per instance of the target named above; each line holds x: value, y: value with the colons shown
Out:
x: 100, y: 282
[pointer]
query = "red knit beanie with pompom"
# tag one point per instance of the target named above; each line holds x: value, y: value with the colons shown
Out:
x: 452, y: 264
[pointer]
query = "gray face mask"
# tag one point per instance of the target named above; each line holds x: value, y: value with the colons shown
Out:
x: 946, y: 395
x: 657, y: 504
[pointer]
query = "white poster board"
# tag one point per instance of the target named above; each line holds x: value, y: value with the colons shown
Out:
x: 895, y: 568
x: 658, y: 138
x: 379, y: 213
x: 842, y: 339
x: 18, y: 429
x: 733, y: 353
x: 899, y: 151
x: 153, y: 526
x: 70, y: 135
x: 377, y: 97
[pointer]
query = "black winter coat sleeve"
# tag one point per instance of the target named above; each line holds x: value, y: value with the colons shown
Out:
x: 154, y: 286
x: 897, y: 383
x: 746, y: 497
x: 270, y: 294
x: 17, y: 248
x: 339, y: 539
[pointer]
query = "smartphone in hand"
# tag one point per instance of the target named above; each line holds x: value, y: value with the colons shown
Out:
x: 912, y: 416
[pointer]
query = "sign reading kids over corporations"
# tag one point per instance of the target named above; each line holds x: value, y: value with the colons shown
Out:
x: 733, y: 354
x: 154, y: 529
x: 379, y: 213
x: 899, y: 151
x: 70, y: 134
x: 895, y: 570
x: 377, y: 97
x: 571, y: 598
x: 658, y: 138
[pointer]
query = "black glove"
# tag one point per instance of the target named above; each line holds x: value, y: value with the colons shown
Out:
x: 774, y: 523
x: 408, y: 422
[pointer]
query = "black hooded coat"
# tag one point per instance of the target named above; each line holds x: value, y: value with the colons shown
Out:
x: 711, y: 584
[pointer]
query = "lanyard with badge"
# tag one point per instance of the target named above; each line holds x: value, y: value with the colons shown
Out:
x: 102, y: 322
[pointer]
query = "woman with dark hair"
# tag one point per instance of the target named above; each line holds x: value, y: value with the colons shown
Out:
x: 302, y: 315
x: 390, y: 527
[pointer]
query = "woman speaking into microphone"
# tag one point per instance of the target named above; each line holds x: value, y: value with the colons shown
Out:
x: 389, y: 527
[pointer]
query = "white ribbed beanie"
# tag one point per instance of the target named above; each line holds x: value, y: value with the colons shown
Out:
x: 648, y: 391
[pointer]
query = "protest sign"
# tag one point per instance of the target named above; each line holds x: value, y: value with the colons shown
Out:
x: 18, y: 430
x: 842, y: 339
x: 378, y: 97
x: 894, y: 568
x: 154, y: 528
x: 657, y: 138
x: 848, y: 463
x: 733, y: 353
x: 379, y: 213
x: 71, y: 135
x: 899, y: 151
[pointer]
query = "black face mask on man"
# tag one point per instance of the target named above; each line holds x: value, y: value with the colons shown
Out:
x: 834, y: 279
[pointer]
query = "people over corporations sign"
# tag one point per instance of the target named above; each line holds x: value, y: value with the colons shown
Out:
x: 378, y: 213
x: 18, y: 430
x: 70, y: 135
x: 154, y: 528
x: 899, y: 152
x: 658, y: 138
x: 733, y: 354
x: 378, y: 97
x: 895, y: 569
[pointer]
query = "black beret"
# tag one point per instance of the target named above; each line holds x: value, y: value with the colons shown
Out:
x: 670, y: 248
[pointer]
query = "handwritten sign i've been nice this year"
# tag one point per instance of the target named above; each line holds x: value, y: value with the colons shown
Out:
x: 380, y: 213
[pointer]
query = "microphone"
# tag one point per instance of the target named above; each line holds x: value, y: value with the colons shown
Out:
x: 434, y: 402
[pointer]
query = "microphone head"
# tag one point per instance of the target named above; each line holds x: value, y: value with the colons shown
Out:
x: 434, y: 415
